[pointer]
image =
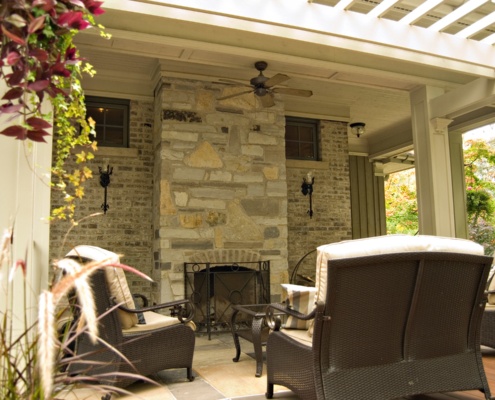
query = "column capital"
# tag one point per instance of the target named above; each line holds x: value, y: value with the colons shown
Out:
x: 439, y: 124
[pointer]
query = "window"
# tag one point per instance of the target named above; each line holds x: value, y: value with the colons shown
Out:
x: 112, y: 120
x: 301, y: 138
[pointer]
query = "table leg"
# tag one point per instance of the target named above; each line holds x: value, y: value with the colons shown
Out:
x: 235, y: 336
x: 256, y: 328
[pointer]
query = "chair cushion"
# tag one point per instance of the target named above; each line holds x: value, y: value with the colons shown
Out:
x: 301, y: 299
x: 384, y: 245
x: 155, y: 321
x: 116, y: 280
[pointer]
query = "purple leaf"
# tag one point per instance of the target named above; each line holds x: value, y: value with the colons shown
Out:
x: 36, y: 24
x: 13, y: 37
x: 13, y: 58
x: 37, y: 135
x: 39, y: 54
x: 38, y: 123
x: 15, y: 130
x: 13, y: 93
x: 10, y: 108
x: 38, y: 86
x: 15, y: 78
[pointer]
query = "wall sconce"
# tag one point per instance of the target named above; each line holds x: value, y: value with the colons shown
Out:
x: 307, y: 189
x: 104, y: 182
x: 358, y: 128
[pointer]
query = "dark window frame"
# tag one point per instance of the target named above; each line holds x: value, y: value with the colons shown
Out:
x: 115, y: 104
x: 314, y: 126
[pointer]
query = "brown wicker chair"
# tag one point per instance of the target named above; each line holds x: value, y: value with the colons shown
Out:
x: 387, y: 325
x: 149, y: 349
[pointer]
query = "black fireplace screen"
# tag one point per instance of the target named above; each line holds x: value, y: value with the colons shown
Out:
x: 215, y: 287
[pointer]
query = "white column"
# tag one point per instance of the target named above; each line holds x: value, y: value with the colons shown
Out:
x: 433, y: 170
x: 25, y: 206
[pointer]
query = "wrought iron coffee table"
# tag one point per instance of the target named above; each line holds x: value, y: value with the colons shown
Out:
x: 256, y: 333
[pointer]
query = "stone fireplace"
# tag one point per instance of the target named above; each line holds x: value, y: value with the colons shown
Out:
x: 220, y: 180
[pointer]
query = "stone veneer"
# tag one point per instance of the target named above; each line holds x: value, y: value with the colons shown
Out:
x: 208, y: 181
x: 220, y: 181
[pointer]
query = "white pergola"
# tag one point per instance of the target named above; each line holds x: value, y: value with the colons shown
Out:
x: 418, y: 73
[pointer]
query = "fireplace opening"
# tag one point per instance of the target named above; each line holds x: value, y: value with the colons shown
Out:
x: 214, y: 288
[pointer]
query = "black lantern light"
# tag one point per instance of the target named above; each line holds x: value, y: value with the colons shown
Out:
x: 104, y: 182
x: 307, y: 189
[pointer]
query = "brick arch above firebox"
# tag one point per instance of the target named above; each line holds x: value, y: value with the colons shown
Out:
x: 225, y: 255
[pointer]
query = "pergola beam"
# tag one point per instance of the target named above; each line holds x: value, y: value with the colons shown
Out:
x: 479, y: 25
x: 457, y: 14
x: 420, y: 11
x: 464, y: 99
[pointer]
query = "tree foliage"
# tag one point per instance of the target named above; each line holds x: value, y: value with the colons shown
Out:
x: 479, y: 158
x: 479, y: 163
x: 401, y: 204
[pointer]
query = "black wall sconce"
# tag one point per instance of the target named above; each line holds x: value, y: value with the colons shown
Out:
x: 104, y: 182
x: 307, y: 189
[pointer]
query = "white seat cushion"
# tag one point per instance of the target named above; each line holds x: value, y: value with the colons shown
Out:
x: 385, y: 245
x: 153, y: 321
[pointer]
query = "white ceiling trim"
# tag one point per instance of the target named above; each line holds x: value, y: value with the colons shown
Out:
x: 313, y: 22
x: 91, y: 39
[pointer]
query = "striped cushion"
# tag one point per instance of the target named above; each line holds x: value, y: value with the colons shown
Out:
x: 301, y: 299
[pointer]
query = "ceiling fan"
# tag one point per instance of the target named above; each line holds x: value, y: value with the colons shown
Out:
x: 263, y: 87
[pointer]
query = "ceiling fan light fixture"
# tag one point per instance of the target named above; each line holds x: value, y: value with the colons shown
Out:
x: 358, y: 128
x: 260, y: 91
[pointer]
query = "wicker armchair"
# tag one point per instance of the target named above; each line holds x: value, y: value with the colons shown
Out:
x: 395, y: 316
x: 161, y: 343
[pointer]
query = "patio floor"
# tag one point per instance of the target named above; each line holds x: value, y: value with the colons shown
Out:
x: 219, y: 378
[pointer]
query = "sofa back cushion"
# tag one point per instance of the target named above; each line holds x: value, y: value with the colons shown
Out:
x: 115, y: 278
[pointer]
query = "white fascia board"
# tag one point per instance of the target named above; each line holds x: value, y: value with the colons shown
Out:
x: 298, y: 19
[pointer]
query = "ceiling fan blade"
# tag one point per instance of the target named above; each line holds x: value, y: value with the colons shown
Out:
x: 294, y: 92
x: 232, y: 82
x: 234, y: 95
x: 267, y: 100
x: 276, y: 79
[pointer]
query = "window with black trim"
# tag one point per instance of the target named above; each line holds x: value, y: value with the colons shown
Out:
x: 301, y: 138
x: 112, y: 120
